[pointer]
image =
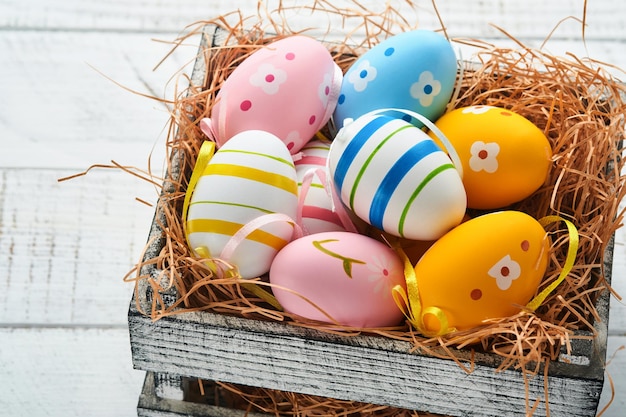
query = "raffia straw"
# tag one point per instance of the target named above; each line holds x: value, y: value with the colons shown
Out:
x: 281, y: 403
x: 577, y: 104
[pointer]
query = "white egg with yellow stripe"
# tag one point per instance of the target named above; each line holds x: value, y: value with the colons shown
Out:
x: 395, y: 177
x: 250, y: 176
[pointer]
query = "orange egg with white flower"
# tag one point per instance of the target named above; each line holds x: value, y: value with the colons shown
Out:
x: 486, y: 268
x: 505, y: 156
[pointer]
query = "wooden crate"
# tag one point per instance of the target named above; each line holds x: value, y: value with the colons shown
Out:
x: 165, y: 395
x: 365, y: 368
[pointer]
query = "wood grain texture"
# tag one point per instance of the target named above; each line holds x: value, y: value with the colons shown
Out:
x: 49, y: 122
x: 64, y: 247
x: 367, y: 369
x: 532, y: 19
x: 152, y: 405
x: 67, y: 372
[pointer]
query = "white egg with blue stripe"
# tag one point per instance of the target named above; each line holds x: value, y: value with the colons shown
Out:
x: 393, y: 176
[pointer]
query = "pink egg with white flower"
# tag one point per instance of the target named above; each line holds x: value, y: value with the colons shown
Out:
x: 339, y: 277
x: 288, y: 88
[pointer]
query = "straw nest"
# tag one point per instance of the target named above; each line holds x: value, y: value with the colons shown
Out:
x: 575, y: 102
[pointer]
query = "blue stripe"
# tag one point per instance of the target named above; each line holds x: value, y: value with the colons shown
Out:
x: 394, y: 176
x: 353, y: 148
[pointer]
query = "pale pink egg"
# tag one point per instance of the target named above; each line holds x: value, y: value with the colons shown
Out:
x: 339, y: 277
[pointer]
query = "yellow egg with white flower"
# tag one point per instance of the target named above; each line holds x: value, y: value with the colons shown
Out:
x: 488, y: 267
x: 505, y: 157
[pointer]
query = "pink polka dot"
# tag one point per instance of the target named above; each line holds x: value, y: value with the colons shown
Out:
x: 290, y: 56
x: 245, y: 105
x: 312, y: 119
x: 525, y: 245
x: 327, y: 90
x: 269, y: 78
x: 290, y: 145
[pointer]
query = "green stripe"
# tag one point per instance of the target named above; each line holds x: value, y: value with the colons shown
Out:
x: 232, y: 205
x: 264, y: 155
x: 426, y: 180
x: 313, y: 184
x: 368, y: 160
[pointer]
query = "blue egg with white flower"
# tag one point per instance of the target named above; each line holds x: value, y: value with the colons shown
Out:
x: 413, y: 70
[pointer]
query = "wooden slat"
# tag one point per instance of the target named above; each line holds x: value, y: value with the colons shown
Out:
x: 65, y: 247
x: 616, y: 369
x: 58, y: 111
x: 375, y: 369
x: 112, y: 15
x: 67, y: 372
x: 532, y: 19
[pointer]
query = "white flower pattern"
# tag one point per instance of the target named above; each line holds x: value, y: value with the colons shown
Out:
x: 425, y: 89
x: 324, y: 89
x: 381, y: 273
x: 363, y: 74
x: 269, y: 78
x: 505, y: 271
x: 479, y: 109
x: 484, y: 157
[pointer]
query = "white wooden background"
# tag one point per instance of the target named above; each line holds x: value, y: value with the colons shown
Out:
x: 64, y: 247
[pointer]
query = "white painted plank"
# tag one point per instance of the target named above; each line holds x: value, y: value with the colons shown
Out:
x: 58, y: 111
x: 616, y: 349
x: 617, y: 312
x: 528, y: 19
x: 67, y: 372
x: 113, y: 15
x: 65, y: 247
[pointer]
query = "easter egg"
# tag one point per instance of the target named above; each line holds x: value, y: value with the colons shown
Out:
x: 414, y: 70
x: 317, y: 210
x: 505, y: 157
x: 347, y: 278
x: 488, y: 267
x: 288, y: 88
x: 250, y: 176
x: 393, y: 176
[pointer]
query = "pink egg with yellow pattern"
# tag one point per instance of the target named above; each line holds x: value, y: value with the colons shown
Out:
x: 339, y: 277
x: 288, y: 88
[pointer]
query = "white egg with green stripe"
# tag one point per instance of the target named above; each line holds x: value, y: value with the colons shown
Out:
x: 251, y: 175
x: 393, y: 176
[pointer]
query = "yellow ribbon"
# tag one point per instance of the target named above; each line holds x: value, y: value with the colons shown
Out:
x: 569, y: 260
x: 207, y: 150
x: 411, y: 304
x: 204, y: 156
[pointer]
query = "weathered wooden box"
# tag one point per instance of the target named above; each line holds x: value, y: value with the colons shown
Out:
x: 363, y: 368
